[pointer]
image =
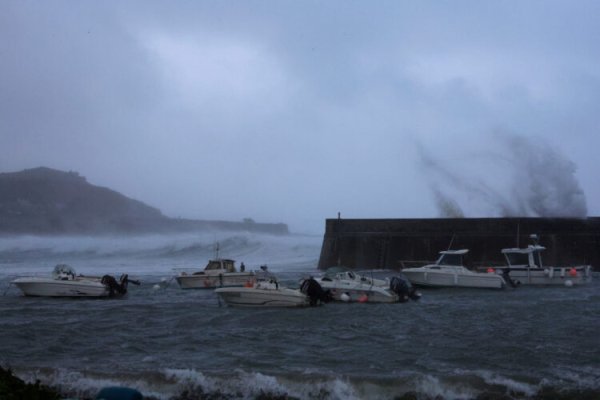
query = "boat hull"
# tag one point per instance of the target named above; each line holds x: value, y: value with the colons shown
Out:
x: 348, y: 292
x: 61, y: 288
x: 551, y: 276
x: 364, y: 296
x: 432, y: 278
x: 253, y: 297
x: 207, y: 281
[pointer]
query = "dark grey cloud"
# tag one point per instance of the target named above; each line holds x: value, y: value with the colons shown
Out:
x: 293, y: 111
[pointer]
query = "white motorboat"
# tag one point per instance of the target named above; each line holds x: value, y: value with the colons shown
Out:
x: 349, y: 286
x: 65, y: 283
x: 265, y: 291
x: 524, y: 266
x: 449, y: 271
x: 219, y: 272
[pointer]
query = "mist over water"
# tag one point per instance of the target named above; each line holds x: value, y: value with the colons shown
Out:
x: 518, y: 177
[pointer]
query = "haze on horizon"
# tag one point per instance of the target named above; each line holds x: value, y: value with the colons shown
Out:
x: 295, y: 111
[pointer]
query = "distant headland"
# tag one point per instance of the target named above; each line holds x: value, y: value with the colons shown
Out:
x: 48, y: 201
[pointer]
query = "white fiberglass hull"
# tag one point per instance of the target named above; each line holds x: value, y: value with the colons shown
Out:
x: 436, y: 278
x: 351, y: 291
x: 255, y: 297
x: 206, y: 281
x: 61, y: 288
x: 551, y: 276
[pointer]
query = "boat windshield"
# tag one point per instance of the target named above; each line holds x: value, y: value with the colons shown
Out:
x: 517, y: 258
x: 63, y: 271
x: 451, y: 259
x: 227, y: 265
x: 265, y: 275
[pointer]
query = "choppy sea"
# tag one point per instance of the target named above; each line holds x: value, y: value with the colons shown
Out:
x: 524, y: 343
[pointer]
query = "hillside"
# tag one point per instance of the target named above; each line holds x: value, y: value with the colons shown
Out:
x: 47, y: 201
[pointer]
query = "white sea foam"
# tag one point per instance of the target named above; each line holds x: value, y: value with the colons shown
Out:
x: 512, y: 385
x: 581, y: 377
x: 249, y: 385
x: 434, y: 387
x: 74, y: 383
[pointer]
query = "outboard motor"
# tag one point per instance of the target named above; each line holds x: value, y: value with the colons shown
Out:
x: 113, y: 286
x: 119, y: 288
x: 315, y: 292
x: 507, y: 278
x: 403, y: 288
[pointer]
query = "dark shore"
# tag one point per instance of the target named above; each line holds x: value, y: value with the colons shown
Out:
x: 45, y: 201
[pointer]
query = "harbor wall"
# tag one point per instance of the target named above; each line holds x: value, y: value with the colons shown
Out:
x: 397, y: 243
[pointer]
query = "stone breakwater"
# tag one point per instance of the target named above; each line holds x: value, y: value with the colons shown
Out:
x: 394, y: 243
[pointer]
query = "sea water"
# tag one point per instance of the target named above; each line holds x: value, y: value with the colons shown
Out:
x: 171, y: 343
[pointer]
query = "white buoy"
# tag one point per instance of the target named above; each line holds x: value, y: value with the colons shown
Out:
x: 345, y: 297
x: 156, y: 286
x: 568, y: 283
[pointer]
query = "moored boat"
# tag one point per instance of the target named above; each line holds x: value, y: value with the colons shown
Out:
x: 449, y: 271
x: 65, y: 283
x: 349, y: 286
x: 219, y: 272
x: 266, y: 291
x: 525, y: 267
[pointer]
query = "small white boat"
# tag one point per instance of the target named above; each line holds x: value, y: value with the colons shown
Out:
x: 349, y: 286
x: 525, y: 267
x: 219, y: 272
x: 448, y: 271
x: 265, y: 291
x: 65, y: 283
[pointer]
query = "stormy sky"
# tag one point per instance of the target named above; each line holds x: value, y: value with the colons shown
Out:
x: 290, y: 111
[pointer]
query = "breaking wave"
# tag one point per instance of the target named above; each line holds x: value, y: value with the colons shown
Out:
x: 189, y: 384
x: 157, y: 253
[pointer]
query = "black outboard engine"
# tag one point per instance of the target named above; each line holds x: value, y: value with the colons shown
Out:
x: 507, y: 278
x: 315, y: 292
x: 113, y: 286
x: 117, y: 288
x: 402, y: 287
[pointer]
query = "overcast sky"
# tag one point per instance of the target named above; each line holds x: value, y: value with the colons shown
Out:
x: 290, y: 111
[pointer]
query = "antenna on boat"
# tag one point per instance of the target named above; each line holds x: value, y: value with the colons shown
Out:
x: 451, y: 240
x: 217, y: 250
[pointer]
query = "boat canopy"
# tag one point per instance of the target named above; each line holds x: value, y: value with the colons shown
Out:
x: 530, y: 256
x: 529, y: 249
x: 461, y: 251
x: 452, y: 257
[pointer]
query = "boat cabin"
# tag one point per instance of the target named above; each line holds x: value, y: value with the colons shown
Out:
x: 452, y: 257
x: 530, y: 257
x: 221, y: 265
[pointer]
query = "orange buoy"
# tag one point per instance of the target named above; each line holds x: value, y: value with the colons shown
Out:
x: 573, y: 272
x: 491, y: 270
x: 248, y: 284
x: 363, y: 298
